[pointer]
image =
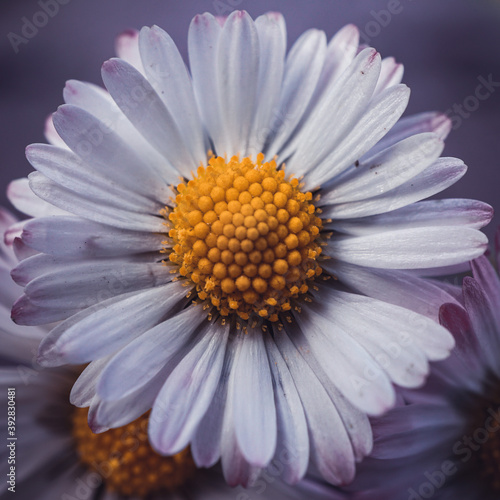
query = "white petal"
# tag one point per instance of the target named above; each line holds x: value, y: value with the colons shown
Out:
x: 70, y: 172
x: 331, y: 447
x: 78, y: 237
x: 89, y: 207
x: 203, y: 44
x: 26, y: 313
x: 292, y: 451
x: 391, y: 74
x: 272, y: 42
x: 84, y: 388
x: 168, y: 75
x: 127, y: 48
x: 97, y: 143
x: 188, y: 391
x: 402, y: 324
x: 415, y: 124
x: 386, y: 170
x: 302, y: 70
x: 147, y: 112
x: 396, y: 287
x: 345, y: 361
x: 206, y: 444
x: 251, y: 393
x: 26, y: 201
x: 106, y: 327
x: 340, y: 53
x: 51, y: 134
x: 404, y: 363
x: 384, y: 110
x: 447, y: 212
x: 238, y: 66
x: 100, y: 104
x: 434, y: 179
x: 148, y: 354
x: 104, y: 414
x: 339, y: 110
x: 62, y: 285
x: 355, y: 422
x: 236, y: 468
x: 410, y: 248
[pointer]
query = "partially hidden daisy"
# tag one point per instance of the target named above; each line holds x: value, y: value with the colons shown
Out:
x: 444, y: 442
x: 51, y: 453
x: 231, y: 245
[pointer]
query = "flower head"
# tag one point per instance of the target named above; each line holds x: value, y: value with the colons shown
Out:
x: 228, y: 246
x: 444, y: 441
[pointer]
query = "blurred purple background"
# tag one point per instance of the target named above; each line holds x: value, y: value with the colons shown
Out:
x: 446, y: 46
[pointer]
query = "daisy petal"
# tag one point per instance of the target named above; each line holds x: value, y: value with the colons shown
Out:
x: 70, y: 172
x: 106, y: 327
x: 271, y: 30
x: 127, y: 48
x: 94, y: 141
x: 206, y: 444
x: 51, y: 134
x: 238, y: 64
x: 420, y: 123
x: 336, y: 113
x: 340, y: 53
x: 203, y: 44
x: 386, y: 170
x: 87, y: 282
x: 396, y: 287
x: 410, y: 248
x: 83, y: 238
x: 251, y: 392
x: 293, y: 441
x: 302, y: 70
x: 383, y: 111
x: 434, y: 179
x: 26, y: 201
x: 168, y: 75
x: 147, y: 112
x: 483, y: 321
x: 84, y: 389
x: 342, y: 359
x: 188, y: 392
x: 96, y: 101
x: 331, y: 448
x: 90, y: 207
x: 391, y: 73
x: 448, y: 212
x: 150, y: 353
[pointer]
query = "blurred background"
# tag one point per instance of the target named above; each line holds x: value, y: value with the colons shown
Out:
x: 448, y: 48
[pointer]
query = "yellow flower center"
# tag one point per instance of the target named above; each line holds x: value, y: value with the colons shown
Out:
x: 246, y: 236
x: 125, y: 459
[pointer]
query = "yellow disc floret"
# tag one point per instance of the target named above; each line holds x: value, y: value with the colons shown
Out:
x: 246, y: 236
x: 125, y: 459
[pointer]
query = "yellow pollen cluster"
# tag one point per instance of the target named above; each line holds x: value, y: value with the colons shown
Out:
x: 125, y: 459
x: 246, y: 236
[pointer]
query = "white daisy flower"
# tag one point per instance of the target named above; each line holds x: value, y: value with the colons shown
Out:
x: 51, y: 453
x: 229, y: 245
